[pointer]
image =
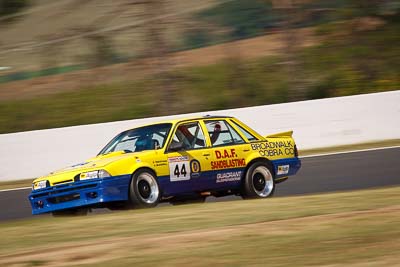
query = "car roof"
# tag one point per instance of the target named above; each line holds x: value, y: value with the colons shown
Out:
x: 178, y: 120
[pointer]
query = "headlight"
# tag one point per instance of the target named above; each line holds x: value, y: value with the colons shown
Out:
x: 39, y: 184
x: 94, y: 174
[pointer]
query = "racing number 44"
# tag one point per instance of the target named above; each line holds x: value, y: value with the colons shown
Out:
x: 178, y: 172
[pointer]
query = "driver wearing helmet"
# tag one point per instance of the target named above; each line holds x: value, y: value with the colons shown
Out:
x: 215, y: 134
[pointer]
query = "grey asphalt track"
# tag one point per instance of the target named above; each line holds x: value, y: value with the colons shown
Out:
x: 340, y: 172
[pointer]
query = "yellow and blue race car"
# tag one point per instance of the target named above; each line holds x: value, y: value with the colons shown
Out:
x: 175, y: 161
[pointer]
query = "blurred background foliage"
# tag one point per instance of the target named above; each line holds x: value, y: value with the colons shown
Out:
x: 243, y: 18
x: 135, y: 59
x: 10, y: 7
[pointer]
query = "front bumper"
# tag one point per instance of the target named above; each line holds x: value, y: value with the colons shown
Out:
x: 80, y: 194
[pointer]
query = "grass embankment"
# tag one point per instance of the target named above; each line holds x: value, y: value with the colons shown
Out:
x: 352, y: 63
x: 15, y: 184
x: 351, y: 229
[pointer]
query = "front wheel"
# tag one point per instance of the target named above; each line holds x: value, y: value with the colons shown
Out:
x: 144, y: 191
x: 258, y: 182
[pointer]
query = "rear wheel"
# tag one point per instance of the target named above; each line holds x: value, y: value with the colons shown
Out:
x: 144, y: 191
x: 258, y: 182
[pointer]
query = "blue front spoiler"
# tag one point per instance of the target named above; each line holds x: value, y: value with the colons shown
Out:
x: 80, y: 194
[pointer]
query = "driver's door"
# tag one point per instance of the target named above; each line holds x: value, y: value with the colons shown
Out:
x: 187, y: 155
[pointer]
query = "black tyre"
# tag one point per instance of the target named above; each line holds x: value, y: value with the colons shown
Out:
x: 144, y: 191
x: 258, y: 182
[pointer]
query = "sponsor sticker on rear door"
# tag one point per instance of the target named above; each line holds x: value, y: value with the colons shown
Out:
x: 283, y: 169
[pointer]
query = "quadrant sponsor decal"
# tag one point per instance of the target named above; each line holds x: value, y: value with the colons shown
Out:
x: 228, y: 177
x: 227, y: 158
x: 277, y: 148
x: 179, y: 169
x: 284, y: 169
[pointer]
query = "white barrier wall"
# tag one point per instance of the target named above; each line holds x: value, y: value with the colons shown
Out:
x: 316, y: 123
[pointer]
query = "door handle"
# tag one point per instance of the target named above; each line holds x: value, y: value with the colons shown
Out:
x: 246, y: 150
x: 206, y: 154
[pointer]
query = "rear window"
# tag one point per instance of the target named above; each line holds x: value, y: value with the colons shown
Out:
x: 221, y: 133
x: 246, y: 133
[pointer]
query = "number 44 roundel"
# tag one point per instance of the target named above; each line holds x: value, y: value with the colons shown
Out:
x: 179, y: 170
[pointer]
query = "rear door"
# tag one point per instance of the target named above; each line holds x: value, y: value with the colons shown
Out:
x: 227, y: 154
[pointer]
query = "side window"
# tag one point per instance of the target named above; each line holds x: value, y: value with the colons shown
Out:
x: 222, y: 133
x: 127, y: 143
x: 187, y: 136
x: 248, y: 135
x: 159, y: 138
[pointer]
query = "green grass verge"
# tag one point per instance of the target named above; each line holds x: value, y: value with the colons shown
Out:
x: 339, y: 229
x: 15, y: 184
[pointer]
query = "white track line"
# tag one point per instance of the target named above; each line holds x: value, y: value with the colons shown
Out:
x: 347, y: 152
x: 301, y: 157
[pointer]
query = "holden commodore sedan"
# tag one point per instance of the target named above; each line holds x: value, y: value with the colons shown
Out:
x: 176, y: 161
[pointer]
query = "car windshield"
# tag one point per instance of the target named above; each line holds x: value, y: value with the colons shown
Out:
x: 139, y: 139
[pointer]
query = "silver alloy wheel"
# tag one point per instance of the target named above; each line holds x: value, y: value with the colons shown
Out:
x: 262, y: 181
x: 147, y: 188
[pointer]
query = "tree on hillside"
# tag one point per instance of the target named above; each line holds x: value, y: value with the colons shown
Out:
x: 10, y: 7
x: 49, y: 52
x: 158, y: 52
x: 244, y: 18
x: 291, y: 15
x: 101, y: 41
